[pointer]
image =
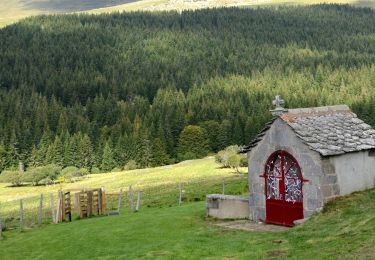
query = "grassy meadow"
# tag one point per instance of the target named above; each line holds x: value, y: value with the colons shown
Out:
x: 13, y: 10
x: 195, y: 171
x: 344, y: 230
x: 159, y: 187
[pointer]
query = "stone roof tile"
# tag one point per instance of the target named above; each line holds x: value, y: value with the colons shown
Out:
x: 330, y: 130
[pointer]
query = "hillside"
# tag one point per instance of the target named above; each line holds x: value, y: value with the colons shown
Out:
x: 162, y: 180
x: 101, y: 91
x: 14, y: 10
x: 345, y: 230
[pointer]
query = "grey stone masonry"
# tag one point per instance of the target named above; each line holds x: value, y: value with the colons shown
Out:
x: 281, y: 136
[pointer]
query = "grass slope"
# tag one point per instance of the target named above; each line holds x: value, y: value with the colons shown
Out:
x: 194, y: 171
x: 158, y: 186
x: 13, y: 10
x: 345, y: 229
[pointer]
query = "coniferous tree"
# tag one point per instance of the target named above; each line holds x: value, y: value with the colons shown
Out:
x: 87, y: 153
x: 34, y: 157
x: 3, y: 157
x: 193, y: 143
x: 13, y: 156
x: 72, y: 88
x: 108, y: 161
x: 159, y: 154
x: 58, y: 156
x: 48, y: 159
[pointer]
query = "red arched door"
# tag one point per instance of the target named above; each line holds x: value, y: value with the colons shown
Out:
x: 283, y: 177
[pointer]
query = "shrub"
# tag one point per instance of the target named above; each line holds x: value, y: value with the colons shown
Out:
x: 46, y: 181
x: 13, y: 177
x: 36, y: 175
x: 95, y: 170
x: 234, y: 161
x: 230, y: 158
x: 70, y: 170
x: 187, y: 156
x: 131, y: 165
x: 243, y: 161
x: 72, y: 173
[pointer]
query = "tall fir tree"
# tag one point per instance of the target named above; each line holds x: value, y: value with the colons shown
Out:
x: 108, y: 161
x: 159, y: 154
x: 86, y: 151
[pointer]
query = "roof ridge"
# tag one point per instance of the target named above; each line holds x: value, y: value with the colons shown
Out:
x: 321, y: 109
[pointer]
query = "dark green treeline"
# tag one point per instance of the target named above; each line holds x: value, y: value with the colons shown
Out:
x: 99, y: 91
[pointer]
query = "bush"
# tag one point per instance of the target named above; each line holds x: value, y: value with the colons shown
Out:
x: 70, y: 170
x: 72, y: 173
x: 36, y: 175
x: 95, y: 170
x: 243, y: 161
x: 13, y: 177
x: 234, y: 161
x: 116, y: 169
x: 46, y: 181
x: 187, y: 156
x: 131, y: 165
x: 230, y: 158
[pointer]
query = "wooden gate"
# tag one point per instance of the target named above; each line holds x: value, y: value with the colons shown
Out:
x: 283, y: 188
x: 90, y: 202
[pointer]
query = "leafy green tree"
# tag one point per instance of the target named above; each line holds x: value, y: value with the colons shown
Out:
x: 230, y: 158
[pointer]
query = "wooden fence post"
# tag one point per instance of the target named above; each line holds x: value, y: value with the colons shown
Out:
x: 62, y: 206
x: 100, y: 201
x: 68, y: 205
x: 89, y: 203
x: 58, y: 209
x: 138, y: 201
x: 21, y: 215
x: 40, y: 212
x: 104, y: 201
x: 180, y: 197
x: 223, y: 187
x: 131, y: 198
x: 1, y: 229
x: 53, y: 209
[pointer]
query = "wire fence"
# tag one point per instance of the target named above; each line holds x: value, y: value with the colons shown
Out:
x: 39, y: 210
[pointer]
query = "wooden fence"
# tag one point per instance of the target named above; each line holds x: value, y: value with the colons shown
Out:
x: 80, y: 203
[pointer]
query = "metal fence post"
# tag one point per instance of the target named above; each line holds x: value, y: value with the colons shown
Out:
x: 21, y: 215
x: 40, y: 212
x: 138, y: 201
x: 131, y: 198
x: 180, y: 197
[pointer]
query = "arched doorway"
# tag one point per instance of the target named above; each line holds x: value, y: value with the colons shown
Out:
x: 283, y: 179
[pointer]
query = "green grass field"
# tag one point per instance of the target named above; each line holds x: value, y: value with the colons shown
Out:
x: 165, y: 177
x: 13, y: 10
x: 344, y: 230
x: 159, y: 188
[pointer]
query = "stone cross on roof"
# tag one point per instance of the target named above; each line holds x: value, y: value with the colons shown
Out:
x: 279, y: 110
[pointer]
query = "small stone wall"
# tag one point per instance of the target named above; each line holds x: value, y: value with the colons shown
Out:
x: 227, y: 206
